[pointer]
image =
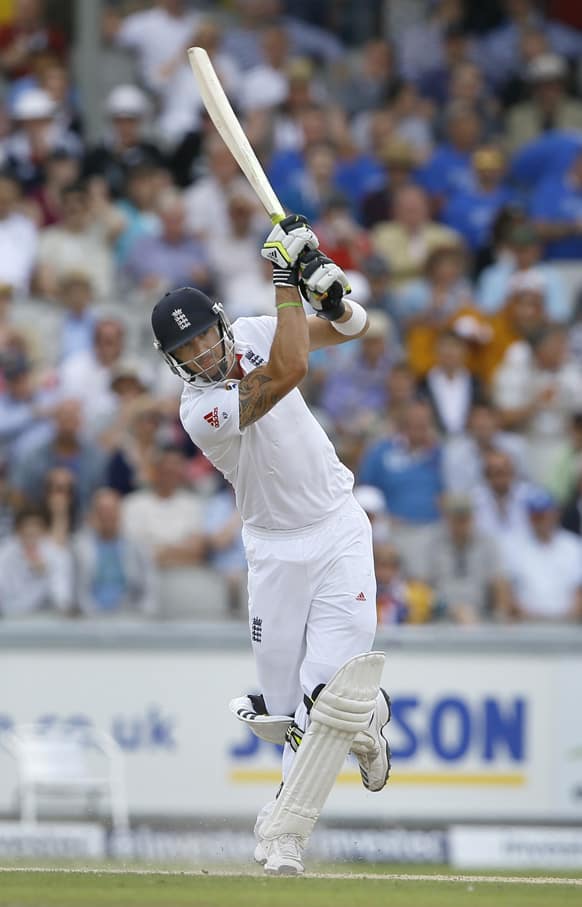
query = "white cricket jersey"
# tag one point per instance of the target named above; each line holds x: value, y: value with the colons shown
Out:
x: 284, y: 469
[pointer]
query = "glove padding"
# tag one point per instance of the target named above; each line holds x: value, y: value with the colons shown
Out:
x: 323, y: 284
x: 287, y: 240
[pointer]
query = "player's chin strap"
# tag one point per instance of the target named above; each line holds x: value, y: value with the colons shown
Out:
x: 343, y: 707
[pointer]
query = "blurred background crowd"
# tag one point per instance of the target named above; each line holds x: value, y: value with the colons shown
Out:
x: 436, y: 147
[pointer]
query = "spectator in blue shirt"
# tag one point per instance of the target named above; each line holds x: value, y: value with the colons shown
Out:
x: 75, y: 294
x: 449, y: 169
x: 556, y: 210
x: 407, y: 468
x: 550, y: 155
x: 472, y: 211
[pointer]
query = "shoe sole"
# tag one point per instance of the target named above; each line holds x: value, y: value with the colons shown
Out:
x: 284, y: 871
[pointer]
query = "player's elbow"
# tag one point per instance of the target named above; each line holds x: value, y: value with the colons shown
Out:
x: 298, y: 372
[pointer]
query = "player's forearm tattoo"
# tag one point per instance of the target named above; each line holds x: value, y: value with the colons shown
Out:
x: 256, y: 397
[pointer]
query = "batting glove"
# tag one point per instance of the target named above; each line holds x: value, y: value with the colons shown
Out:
x: 323, y: 284
x: 282, y: 247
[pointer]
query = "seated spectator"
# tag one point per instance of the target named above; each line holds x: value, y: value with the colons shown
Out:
x: 124, y: 146
x: 449, y: 386
x: 114, y: 573
x: 36, y: 574
x: 37, y: 135
x: 556, y: 210
x: 18, y: 238
x: 242, y: 266
x: 437, y: 84
x: 340, y: 236
x: 60, y: 503
x: 500, y: 500
x: 266, y: 84
x: 7, y: 501
x: 545, y: 567
x: 412, y: 118
x: 376, y: 272
x: 25, y: 407
x: 463, y: 567
x: 167, y: 517
x: 399, y: 159
x: 537, y: 390
x: 354, y: 394
x: 401, y: 394
x: 449, y: 169
x: 27, y: 30
x: 222, y: 527
x: 309, y: 187
x: 86, y: 375
x: 131, y: 464
x: 407, y: 242
x: 75, y: 244
x: 211, y: 192
x: 472, y: 211
x: 65, y: 448
x: 62, y: 168
x: 549, y: 107
x: 373, y: 503
x: 130, y: 379
x: 572, y: 515
x: 173, y: 258
x: 520, y: 254
x: 399, y: 599
x: 369, y: 82
x: 464, y: 456
x: 408, y: 470
x: 521, y: 318
x: 75, y: 295
x: 567, y: 467
x: 422, y: 45
x: 137, y: 209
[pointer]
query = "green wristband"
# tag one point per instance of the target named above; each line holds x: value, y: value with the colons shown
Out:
x: 289, y: 305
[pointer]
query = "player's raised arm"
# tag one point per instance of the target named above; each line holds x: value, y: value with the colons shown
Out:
x: 262, y: 388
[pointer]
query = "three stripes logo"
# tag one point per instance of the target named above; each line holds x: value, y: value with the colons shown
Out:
x: 212, y: 418
x: 257, y: 629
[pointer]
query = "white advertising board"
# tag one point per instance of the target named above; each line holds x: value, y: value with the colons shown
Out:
x: 473, y: 736
x: 474, y: 847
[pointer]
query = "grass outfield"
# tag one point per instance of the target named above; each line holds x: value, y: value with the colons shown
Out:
x: 96, y: 888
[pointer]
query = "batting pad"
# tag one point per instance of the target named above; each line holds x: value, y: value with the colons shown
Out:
x: 271, y: 728
x: 343, y: 708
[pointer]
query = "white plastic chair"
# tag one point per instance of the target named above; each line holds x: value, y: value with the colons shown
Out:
x: 54, y: 762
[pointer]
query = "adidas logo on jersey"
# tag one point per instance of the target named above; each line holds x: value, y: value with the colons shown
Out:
x: 212, y: 418
x: 361, y: 597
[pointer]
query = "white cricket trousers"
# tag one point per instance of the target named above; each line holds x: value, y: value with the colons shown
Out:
x: 312, y: 604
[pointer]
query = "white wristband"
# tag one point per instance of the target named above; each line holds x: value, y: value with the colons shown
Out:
x: 355, y: 323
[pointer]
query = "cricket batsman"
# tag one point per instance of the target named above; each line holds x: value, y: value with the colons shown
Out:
x: 312, y: 590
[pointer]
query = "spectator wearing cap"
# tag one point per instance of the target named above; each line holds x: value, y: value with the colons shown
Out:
x: 37, y: 136
x: 114, y: 573
x: 472, y: 211
x: 407, y: 468
x: 463, y: 567
x: 400, y: 162
x: 36, y: 574
x: 522, y: 316
x: 449, y: 386
x: 18, y: 238
x: 464, y: 455
x: 25, y: 409
x: 500, y: 500
x: 449, y: 169
x: 521, y: 252
x: 124, y: 146
x: 556, y: 210
x: 172, y: 258
x: 545, y: 566
x: 407, y: 241
x: 550, y: 108
x: 67, y: 448
x: 537, y: 389
x: 77, y: 243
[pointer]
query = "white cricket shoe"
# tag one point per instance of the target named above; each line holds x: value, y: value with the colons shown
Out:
x: 371, y: 747
x: 284, y: 855
x: 260, y: 851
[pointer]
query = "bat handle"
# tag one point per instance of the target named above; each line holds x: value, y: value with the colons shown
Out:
x: 277, y: 218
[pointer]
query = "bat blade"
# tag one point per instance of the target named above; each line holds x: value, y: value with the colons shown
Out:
x: 229, y: 128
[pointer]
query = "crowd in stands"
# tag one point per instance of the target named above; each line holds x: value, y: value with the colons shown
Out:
x: 436, y: 147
